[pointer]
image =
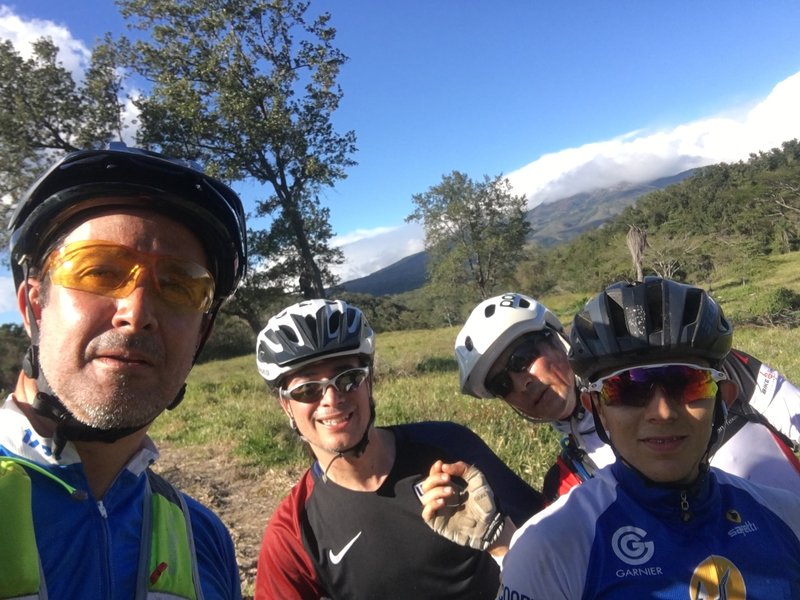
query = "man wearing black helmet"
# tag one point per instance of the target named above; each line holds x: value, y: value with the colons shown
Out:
x: 514, y: 348
x: 362, y: 522
x: 659, y: 521
x: 122, y: 259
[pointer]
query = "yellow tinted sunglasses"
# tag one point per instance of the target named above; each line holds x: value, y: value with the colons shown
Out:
x: 114, y: 271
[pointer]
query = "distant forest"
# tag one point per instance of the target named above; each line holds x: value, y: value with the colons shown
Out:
x: 721, y: 219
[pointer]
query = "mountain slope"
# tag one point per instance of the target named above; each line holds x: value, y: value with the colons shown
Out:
x: 402, y: 276
x: 552, y: 223
x: 560, y: 221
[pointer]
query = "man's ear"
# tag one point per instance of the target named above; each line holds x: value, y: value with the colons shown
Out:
x: 30, y: 305
x: 728, y: 390
x: 285, y: 406
x: 206, y: 329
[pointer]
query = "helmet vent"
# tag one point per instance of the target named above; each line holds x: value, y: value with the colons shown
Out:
x: 489, y: 310
x: 335, y: 321
x: 468, y: 344
x: 694, y: 299
x: 289, y: 333
x: 524, y: 303
x: 655, y: 305
x: 616, y: 316
x: 311, y: 326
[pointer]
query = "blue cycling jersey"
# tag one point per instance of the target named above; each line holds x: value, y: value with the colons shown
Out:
x: 616, y: 536
x: 89, y: 548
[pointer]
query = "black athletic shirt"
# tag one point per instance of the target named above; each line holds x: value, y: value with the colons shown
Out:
x: 325, y: 541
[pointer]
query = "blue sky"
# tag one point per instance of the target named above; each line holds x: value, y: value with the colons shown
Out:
x: 559, y: 96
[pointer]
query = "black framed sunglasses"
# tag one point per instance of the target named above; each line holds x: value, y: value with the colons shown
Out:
x: 520, y: 360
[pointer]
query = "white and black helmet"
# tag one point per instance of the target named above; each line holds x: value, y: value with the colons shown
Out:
x: 309, y: 331
x: 488, y: 331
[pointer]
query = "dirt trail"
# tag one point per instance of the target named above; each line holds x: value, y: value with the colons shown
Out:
x: 243, y: 497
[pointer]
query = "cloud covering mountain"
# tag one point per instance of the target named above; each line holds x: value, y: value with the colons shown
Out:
x: 631, y: 158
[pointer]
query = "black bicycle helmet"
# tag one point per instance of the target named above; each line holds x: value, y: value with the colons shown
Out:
x: 90, y: 181
x: 655, y: 320
x: 309, y: 331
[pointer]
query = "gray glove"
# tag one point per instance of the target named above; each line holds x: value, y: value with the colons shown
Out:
x: 475, y: 521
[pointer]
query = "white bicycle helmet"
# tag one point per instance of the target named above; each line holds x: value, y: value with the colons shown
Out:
x: 488, y: 331
x: 309, y: 331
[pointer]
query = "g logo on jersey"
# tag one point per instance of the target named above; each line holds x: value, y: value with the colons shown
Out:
x: 629, y: 545
x: 717, y: 577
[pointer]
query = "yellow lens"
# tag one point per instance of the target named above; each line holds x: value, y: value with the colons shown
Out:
x: 114, y: 271
x: 98, y: 269
x: 183, y: 283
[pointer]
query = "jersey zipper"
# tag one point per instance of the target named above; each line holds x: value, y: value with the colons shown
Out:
x: 686, y: 514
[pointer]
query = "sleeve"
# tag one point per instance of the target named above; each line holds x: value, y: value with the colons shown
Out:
x: 216, y: 558
x: 535, y: 566
x: 778, y: 399
x: 515, y: 497
x: 551, y: 555
x: 285, y: 571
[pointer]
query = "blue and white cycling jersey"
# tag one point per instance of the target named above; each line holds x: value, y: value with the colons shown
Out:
x: 615, y: 536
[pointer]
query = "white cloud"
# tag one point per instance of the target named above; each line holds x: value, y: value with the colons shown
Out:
x: 368, y: 254
x: 130, y: 118
x: 8, y: 301
x: 641, y: 156
x: 22, y: 33
x: 360, y: 234
x: 634, y: 157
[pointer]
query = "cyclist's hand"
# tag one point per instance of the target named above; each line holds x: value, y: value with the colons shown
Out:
x: 459, y: 505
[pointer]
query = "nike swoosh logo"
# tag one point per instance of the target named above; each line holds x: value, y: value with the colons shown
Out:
x: 337, y: 558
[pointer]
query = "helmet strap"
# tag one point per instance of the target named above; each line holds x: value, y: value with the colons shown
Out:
x: 68, y: 428
x: 358, y: 449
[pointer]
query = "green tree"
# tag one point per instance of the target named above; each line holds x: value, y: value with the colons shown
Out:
x: 45, y: 113
x: 475, y: 232
x: 249, y: 87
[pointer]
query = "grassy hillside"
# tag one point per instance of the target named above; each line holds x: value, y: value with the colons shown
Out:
x: 719, y: 223
x: 417, y: 379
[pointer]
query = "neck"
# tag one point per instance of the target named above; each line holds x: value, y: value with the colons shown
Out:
x: 101, y: 461
x: 367, y: 472
x: 24, y: 394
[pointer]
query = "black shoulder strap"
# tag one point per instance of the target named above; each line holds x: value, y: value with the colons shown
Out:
x: 161, y: 486
x: 743, y: 369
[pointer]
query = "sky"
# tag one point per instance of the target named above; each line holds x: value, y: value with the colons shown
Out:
x: 560, y: 97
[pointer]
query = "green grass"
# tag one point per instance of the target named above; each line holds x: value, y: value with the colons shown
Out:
x: 228, y: 404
